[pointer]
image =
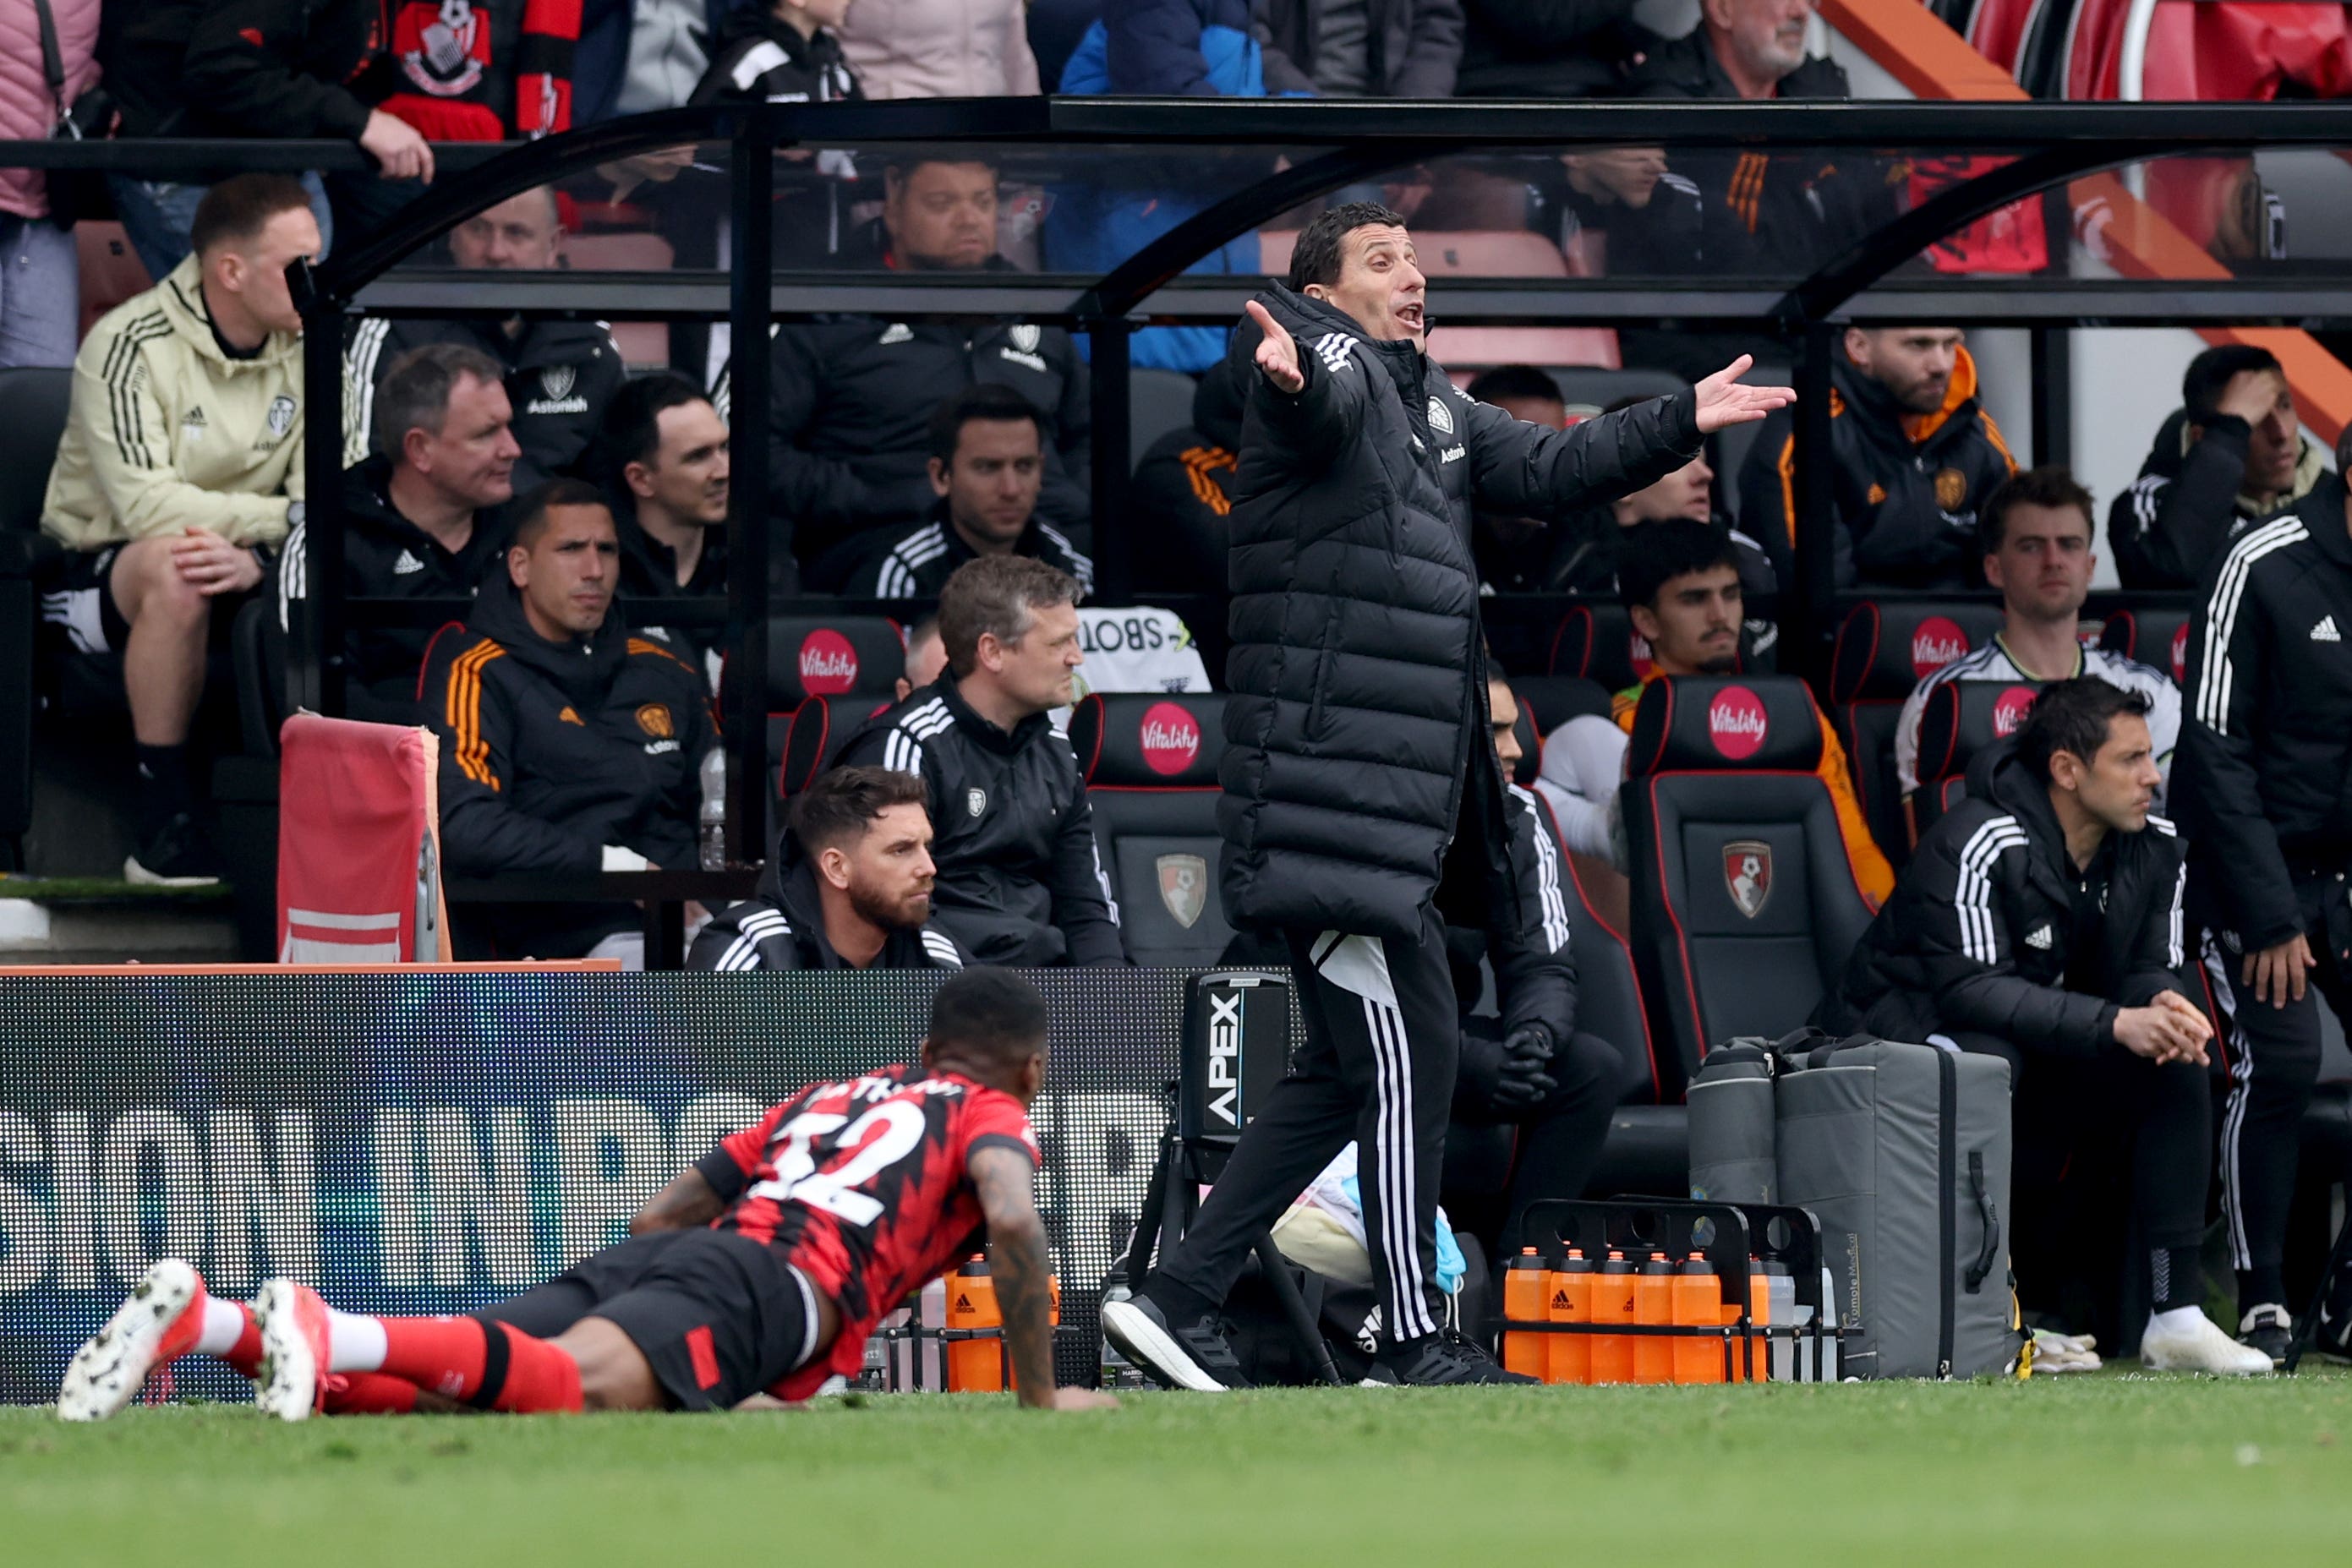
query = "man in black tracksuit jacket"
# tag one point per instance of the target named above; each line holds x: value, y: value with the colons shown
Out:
x: 2262, y: 784
x: 2043, y: 920
x: 573, y: 752
x: 1020, y: 879
x: 1357, y: 753
x: 559, y: 375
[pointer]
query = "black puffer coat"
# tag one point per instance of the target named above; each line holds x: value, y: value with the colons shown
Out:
x: 1355, y: 733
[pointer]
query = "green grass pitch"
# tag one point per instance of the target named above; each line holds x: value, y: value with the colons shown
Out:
x: 2121, y: 1470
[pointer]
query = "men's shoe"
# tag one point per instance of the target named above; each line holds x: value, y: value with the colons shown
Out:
x: 2331, y: 1332
x: 177, y: 854
x: 1443, y: 1359
x: 158, y: 1324
x: 2201, y: 1344
x: 1192, y: 1355
x: 292, y: 1320
x: 2269, y: 1328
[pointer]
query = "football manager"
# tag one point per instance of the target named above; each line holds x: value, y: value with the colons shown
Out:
x: 1357, y: 776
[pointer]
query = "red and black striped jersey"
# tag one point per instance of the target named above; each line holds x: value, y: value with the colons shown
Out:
x: 864, y: 1186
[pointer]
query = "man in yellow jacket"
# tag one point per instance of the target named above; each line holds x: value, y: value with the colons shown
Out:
x: 182, y: 458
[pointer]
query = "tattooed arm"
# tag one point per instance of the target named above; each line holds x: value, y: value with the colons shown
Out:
x: 687, y: 1203
x: 1017, y: 1258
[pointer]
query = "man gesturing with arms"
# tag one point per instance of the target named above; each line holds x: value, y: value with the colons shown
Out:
x: 1357, y: 778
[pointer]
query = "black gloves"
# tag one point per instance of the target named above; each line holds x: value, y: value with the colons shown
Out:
x: 1509, y: 1075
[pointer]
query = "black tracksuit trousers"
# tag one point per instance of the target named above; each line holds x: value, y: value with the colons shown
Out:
x: 1382, y: 1040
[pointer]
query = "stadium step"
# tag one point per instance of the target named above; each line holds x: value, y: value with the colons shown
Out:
x: 50, y: 921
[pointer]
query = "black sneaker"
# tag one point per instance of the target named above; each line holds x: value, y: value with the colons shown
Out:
x: 1192, y: 1355
x: 2331, y: 1332
x: 1446, y: 1357
x: 177, y: 854
x: 2268, y: 1328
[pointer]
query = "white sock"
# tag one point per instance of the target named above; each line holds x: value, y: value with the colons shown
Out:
x: 223, y: 1326
x: 2180, y: 1319
x: 354, y: 1344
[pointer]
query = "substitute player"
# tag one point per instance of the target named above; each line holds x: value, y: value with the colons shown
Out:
x: 786, y: 1244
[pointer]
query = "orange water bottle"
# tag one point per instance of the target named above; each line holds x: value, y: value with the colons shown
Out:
x: 1524, y: 1302
x: 974, y: 1365
x: 1568, y: 1358
x: 1755, y: 1360
x: 1613, y: 1303
x: 1653, y: 1303
x: 1698, y: 1301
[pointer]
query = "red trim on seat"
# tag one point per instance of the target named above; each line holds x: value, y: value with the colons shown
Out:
x: 425, y: 665
x: 1641, y: 1011
x: 2213, y: 1011
x: 1552, y: 666
x: 1682, y: 940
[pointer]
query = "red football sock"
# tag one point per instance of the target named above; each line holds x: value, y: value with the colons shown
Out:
x: 442, y: 1354
x: 245, y: 1356
x: 540, y: 1376
x: 370, y: 1394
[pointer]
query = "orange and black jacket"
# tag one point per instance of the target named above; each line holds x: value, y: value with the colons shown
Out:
x: 1907, y: 486
x: 551, y: 750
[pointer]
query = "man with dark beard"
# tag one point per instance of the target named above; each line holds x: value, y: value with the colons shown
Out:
x: 850, y: 887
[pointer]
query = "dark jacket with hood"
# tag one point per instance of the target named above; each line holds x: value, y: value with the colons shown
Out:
x: 559, y: 376
x: 649, y: 572
x: 2263, y: 777
x: 1982, y: 933
x: 2186, y: 505
x: 1581, y: 553
x: 242, y: 67
x: 1020, y: 879
x: 1548, y: 49
x: 1356, y: 733
x: 758, y: 59
x: 1791, y: 212
x: 385, y: 556
x: 784, y: 928
x: 1184, y: 489
x: 1525, y: 940
x: 1413, y: 47
x: 551, y: 750
x: 1907, y: 485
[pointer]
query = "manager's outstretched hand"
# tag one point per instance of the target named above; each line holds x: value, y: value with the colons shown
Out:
x: 1277, y: 356
x: 1722, y: 400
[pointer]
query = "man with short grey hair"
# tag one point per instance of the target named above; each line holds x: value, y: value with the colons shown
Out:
x: 416, y: 514
x: 1020, y: 881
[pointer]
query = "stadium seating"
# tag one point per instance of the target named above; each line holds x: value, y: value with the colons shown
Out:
x: 1150, y: 766
x: 2154, y: 636
x: 1884, y: 650
x: 1961, y: 718
x: 1596, y: 641
x: 1746, y: 907
x: 830, y: 656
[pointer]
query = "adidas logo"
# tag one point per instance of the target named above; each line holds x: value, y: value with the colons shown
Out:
x: 2325, y: 631
x: 963, y: 1304
x: 406, y: 564
x: 2041, y: 938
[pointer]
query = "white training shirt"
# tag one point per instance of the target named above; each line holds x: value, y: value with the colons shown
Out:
x: 1992, y: 662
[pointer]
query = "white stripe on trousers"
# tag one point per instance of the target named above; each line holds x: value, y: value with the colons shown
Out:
x: 1361, y: 967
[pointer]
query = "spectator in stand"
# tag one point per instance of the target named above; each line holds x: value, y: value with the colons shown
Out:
x: 1624, y: 213
x: 1184, y: 490
x: 559, y: 375
x: 40, y: 273
x: 1682, y: 592
x: 1548, y: 49
x: 2037, y: 533
x: 266, y: 68
x: 850, y: 887
x: 2230, y: 455
x: 786, y: 52
x: 667, y: 447
x: 1917, y: 453
x: 483, y: 70
x: 988, y: 461
x: 420, y: 514
x: 927, y: 655
x: 566, y: 744
x: 1791, y: 211
x: 1018, y: 878
x: 1530, y: 1067
x: 2042, y: 921
x: 940, y: 48
x: 638, y: 55
x: 181, y: 464
x: 1360, y: 48
x: 852, y: 397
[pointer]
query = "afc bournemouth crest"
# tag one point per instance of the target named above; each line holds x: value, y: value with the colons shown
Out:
x: 1184, y: 887
x: 1747, y: 874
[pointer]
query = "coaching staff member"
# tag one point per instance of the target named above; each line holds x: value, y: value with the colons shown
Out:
x: 1357, y: 748
x: 2042, y: 921
x: 2263, y: 782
